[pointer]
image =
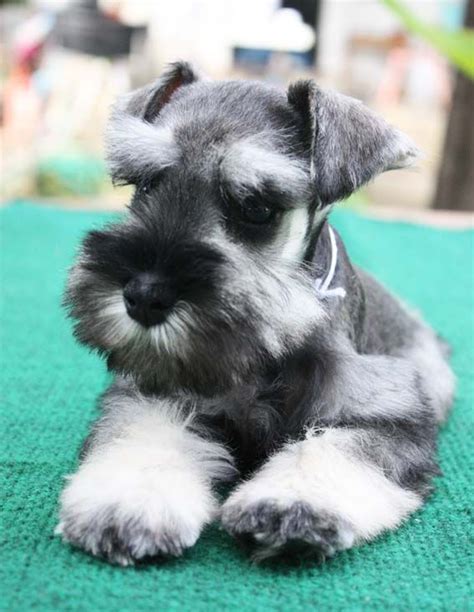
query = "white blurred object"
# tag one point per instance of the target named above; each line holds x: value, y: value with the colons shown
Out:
x: 427, y: 77
x: 196, y: 30
x: 129, y: 12
x: 206, y: 31
x: 284, y: 31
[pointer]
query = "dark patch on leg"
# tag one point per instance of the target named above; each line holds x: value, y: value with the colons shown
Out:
x: 122, y: 542
x: 296, y: 531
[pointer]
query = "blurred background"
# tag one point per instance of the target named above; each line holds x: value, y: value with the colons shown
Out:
x: 63, y: 62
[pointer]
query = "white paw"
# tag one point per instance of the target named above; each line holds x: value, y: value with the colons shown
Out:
x: 124, y: 511
x: 316, y: 495
x: 275, y: 522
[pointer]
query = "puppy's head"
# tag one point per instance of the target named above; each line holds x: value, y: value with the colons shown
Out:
x: 205, y: 281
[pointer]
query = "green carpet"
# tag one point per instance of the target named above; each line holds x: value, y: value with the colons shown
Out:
x: 49, y: 387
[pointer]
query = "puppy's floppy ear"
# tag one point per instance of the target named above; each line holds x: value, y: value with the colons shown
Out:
x: 147, y: 102
x: 349, y: 144
x: 136, y: 146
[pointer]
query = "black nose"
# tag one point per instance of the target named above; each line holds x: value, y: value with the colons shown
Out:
x: 148, y: 299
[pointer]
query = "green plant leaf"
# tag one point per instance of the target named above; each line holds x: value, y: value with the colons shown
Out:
x: 458, y: 46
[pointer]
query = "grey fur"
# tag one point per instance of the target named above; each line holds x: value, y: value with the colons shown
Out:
x: 350, y: 144
x: 252, y: 356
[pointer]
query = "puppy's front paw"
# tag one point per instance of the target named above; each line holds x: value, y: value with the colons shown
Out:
x: 297, y: 530
x: 125, y: 516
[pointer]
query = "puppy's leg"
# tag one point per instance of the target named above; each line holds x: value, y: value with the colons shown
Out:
x: 362, y: 469
x: 429, y: 354
x: 144, y: 485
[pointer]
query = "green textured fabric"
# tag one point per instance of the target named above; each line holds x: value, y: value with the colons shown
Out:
x: 50, y: 385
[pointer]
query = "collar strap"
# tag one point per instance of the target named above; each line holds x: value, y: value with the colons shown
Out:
x: 323, y: 285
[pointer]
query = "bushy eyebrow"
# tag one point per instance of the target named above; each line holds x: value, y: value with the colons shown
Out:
x: 248, y: 167
x: 135, y: 148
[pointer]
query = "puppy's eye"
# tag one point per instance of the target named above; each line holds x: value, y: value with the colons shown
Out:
x: 145, y: 187
x: 256, y: 211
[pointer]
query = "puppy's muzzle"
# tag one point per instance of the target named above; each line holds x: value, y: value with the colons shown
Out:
x: 149, y: 298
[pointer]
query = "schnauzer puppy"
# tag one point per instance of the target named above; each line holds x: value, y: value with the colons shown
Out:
x: 242, y: 338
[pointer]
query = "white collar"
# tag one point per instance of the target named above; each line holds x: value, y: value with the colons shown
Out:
x: 323, y: 284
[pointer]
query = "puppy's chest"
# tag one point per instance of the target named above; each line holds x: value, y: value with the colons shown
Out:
x: 253, y: 422
x: 249, y: 430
